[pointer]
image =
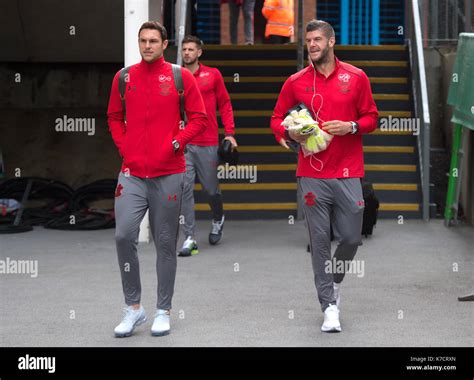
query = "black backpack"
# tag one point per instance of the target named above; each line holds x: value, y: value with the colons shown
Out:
x: 371, y: 209
x: 178, y: 80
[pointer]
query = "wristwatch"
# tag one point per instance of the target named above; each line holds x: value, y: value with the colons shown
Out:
x: 176, y: 145
x: 355, y: 127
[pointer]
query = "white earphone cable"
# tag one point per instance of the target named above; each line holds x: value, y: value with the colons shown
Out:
x: 316, y: 114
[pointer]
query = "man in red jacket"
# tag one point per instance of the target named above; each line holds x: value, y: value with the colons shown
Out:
x: 340, y: 99
x: 201, y: 152
x: 151, y: 144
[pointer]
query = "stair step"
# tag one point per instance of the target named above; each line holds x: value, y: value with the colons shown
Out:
x: 268, y: 131
x: 269, y: 104
x: 274, y: 87
x: 253, y: 186
x: 388, y: 138
x: 292, y: 46
x: 385, y: 158
x: 276, y: 195
x: 294, y: 206
x: 367, y: 149
x: 274, y: 96
x: 258, y: 113
x: 293, y: 186
x: 249, y: 62
x: 389, y: 168
x: 251, y: 206
x: 292, y: 63
x: 289, y: 51
x: 246, y: 79
x: 287, y: 70
x: 285, y: 214
x: 281, y: 80
x: 399, y: 207
x: 401, y: 80
x: 370, y: 167
x: 395, y: 186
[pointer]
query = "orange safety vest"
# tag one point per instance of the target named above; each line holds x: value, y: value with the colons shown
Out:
x: 280, y: 17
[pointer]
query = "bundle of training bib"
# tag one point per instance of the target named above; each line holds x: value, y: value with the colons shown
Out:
x: 300, y: 120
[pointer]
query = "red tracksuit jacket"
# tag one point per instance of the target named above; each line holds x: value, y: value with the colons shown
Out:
x: 152, y: 106
x: 345, y: 95
x: 213, y: 91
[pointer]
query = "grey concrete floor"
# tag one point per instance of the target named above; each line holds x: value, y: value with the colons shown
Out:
x: 254, y: 289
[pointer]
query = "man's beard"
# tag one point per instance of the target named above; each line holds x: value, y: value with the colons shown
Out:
x: 324, y: 57
x: 191, y: 62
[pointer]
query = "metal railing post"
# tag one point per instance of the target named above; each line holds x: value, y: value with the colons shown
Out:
x: 425, y: 114
x: 183, y: 7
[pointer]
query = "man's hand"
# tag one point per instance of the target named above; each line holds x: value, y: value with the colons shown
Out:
x: 283, y: 143
x: 337, y: 127
x: 297, y: 137
x: 232, y: 141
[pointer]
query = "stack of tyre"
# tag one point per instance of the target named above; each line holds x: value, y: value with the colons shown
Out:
x: 35, y: 201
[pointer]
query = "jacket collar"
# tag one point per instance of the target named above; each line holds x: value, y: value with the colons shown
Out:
x: 336, y: 69
x: 154, y: 66
x: 198, y: 71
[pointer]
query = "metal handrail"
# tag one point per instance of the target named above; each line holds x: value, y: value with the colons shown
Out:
x: 420, y: 95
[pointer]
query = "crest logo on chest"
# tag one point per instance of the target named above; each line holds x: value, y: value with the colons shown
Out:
x: 344, y: 82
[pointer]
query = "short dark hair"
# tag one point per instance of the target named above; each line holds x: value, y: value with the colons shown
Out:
x: 190, y: 38
x: 156, y: 26
x: 320, y: 25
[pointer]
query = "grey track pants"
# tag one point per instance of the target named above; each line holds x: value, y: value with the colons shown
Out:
x: 162, y: 197
x: 336, y: 201
x: 201, y: 161
x: 248, y: 10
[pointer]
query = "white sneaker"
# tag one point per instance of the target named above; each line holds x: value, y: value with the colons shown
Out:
x: 216, y: 232
x: 190, y: 248
x: 131, y: 319
x: 331, y: 319
x: 161, y: 324
x: 337, y: 294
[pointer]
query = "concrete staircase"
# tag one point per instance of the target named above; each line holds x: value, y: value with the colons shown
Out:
x: 254, y: 76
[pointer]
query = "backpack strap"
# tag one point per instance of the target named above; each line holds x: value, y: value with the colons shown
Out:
x: 178, y: 81
x: 122, y: 84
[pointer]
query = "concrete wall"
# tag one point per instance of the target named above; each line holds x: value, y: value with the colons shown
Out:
x: 61, y: 31
x: 29, y: 109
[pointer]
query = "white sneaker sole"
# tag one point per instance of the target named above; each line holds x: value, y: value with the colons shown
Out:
x: 128, y: 334
x: 331, y: 329
x: 160, y: 333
